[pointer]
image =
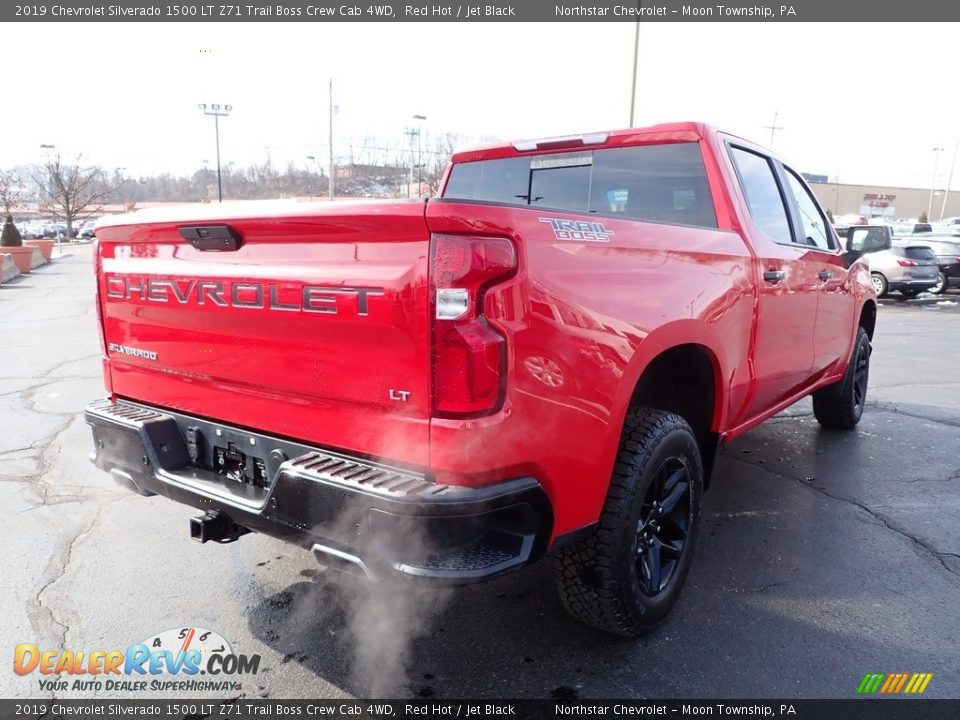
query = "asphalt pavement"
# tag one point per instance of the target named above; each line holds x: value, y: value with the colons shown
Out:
x: 824, y: 556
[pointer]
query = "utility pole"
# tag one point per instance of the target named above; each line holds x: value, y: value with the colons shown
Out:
x: 410, y: 134
x: 330, y: 183
x: 419, y: 119
x: 946, y: 190
x: 773, y: 128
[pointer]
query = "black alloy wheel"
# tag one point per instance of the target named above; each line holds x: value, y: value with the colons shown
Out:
x: 663, y: 527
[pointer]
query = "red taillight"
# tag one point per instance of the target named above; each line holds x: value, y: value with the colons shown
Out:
x: 469, y: 356
x: 908, y: 263
x: 101, y: 328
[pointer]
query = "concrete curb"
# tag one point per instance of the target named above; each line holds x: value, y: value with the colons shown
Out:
x: 38, y: 259
x: 8, y: 268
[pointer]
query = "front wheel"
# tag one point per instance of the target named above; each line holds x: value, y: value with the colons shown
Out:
x: 627, y: 576
x: 840, y: 406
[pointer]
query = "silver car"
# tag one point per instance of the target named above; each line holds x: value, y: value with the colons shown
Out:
x: 908, y: 266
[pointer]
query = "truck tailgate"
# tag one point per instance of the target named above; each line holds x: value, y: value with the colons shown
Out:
x: 310, y: 322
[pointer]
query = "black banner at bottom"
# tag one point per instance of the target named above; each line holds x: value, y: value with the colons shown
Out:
x: 241, y: 709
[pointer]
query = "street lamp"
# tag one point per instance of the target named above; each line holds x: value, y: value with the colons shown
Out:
x: 419, y: 119
x: 933, y: 180
x: 123, y: 204
x: 217, y: 112
x: 48, y: 148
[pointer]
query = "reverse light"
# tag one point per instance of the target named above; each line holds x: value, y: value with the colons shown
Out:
x: 469, y: 356
x: 453, y: 303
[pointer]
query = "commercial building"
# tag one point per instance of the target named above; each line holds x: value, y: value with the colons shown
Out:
x: 880, y: 200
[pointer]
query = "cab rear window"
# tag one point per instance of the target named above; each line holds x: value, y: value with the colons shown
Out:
x: 656, y: 183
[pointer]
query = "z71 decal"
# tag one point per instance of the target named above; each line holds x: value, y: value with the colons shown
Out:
x: 582, y: 230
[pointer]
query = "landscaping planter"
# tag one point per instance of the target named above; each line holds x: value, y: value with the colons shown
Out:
x: 22, y: 256
x: 46, y: 247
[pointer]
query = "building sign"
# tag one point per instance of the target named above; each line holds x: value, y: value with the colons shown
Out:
x: 876, y: 204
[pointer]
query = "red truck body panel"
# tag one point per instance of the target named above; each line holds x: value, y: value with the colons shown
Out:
x: 581, y: 321
x: 255, y: 356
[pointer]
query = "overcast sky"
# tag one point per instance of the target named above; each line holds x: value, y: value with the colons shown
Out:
x: 866, y: 101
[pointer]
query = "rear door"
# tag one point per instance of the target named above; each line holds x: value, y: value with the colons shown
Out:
x: 833, y: 333
x: 311, y: 323
x: 788, y: 285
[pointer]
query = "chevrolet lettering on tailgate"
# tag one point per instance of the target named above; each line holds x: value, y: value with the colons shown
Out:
x: 257, y: 295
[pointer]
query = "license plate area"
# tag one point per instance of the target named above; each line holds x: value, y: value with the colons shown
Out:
x: 234, y: 458
x: 238, y: 466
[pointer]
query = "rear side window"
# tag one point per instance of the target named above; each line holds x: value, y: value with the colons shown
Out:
x: 655, y: 183
x: 763, y: 194
x: 814, y: 224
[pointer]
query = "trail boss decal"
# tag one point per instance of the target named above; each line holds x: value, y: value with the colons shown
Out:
x: 582, y: 230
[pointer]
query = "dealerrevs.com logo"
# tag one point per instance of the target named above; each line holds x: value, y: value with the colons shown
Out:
x: 173, y: 660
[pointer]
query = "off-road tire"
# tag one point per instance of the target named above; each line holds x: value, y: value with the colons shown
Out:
x: 599, y: 578
x: 840, y: 406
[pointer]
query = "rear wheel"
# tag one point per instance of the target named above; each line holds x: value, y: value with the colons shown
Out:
x: 627, y: 576
x: 879, y: 283
x: 941, y: 285
x: 840, y: 406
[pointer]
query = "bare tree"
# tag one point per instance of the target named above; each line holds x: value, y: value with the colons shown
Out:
x: 11, y: 191
x: 70, y: 191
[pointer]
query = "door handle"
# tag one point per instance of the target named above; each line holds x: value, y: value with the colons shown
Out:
x: 825, y: 275
x: 774, y: 276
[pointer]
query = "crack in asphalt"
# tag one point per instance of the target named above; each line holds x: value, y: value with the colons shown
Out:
x: 884, y: 406
x: 40, y: 614
x: 756, y: 590
x: 883, y: 520
x: 37, y: 386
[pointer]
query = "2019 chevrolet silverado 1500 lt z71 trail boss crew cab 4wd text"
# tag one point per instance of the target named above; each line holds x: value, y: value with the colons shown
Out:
x: 544, y: 358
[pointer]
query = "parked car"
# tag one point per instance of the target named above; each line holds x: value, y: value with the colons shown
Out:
x: 85, y: 231
x: 947, y: 251
x: 842, y: 222
x: 903, y: 229
x: 908, y: 268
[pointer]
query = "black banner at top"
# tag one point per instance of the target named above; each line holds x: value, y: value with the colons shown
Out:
x: 477, y: 11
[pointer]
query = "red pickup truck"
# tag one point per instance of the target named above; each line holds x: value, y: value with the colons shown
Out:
x: 543, y: 359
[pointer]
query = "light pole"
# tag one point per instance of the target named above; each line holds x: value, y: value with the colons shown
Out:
x: 123, y: 204
x: 48, y: 148
x: 933, y: 180
x: 217, y: 113
x: 946, y: 189
x: 419, y: 119
x: 332, y: 110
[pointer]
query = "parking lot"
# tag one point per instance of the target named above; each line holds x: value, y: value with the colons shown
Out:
x: 824, y: 556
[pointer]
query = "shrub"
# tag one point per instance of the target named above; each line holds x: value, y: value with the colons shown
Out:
x: 11, y: 236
